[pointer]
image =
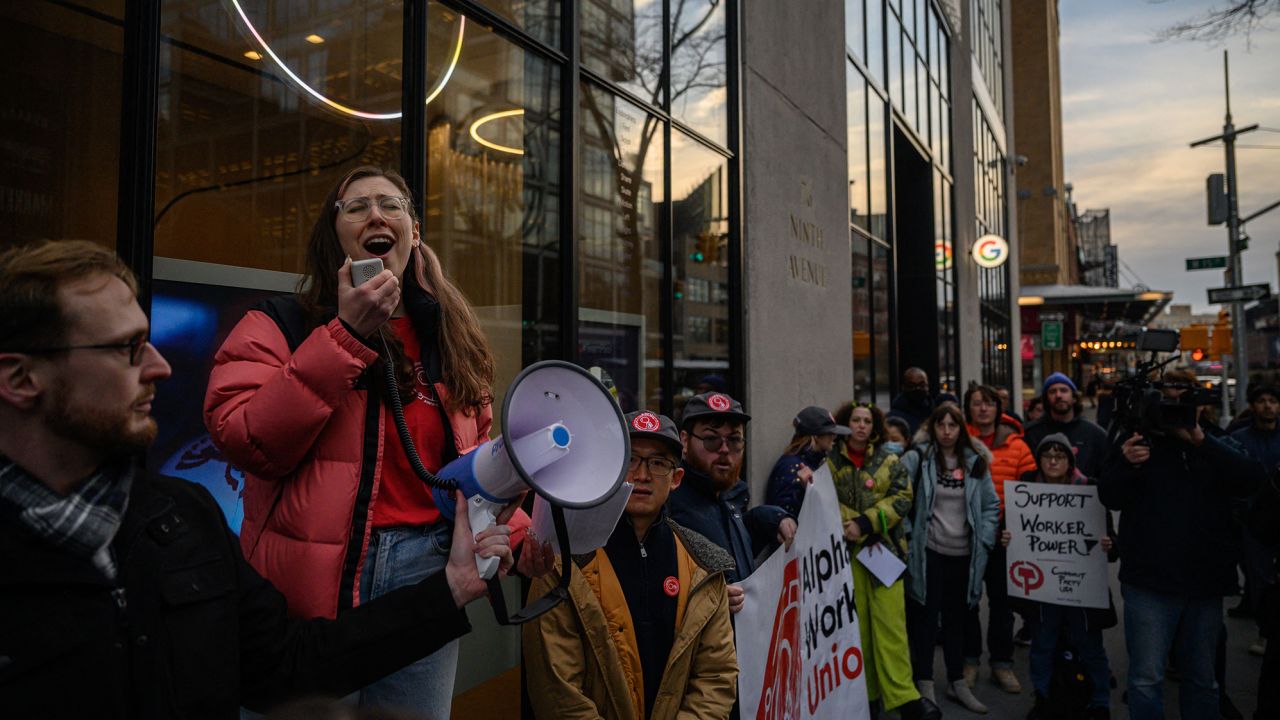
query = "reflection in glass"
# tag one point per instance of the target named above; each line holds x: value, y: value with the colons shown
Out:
x: 875, y: 40
x: 894, y: 69
x: 61, y: 121
x: 699, y: 94
x: 245, y: 153
x: 883, y: 333
x: 863, y: 382
x: 700, y: 228
x: 539, y: 18
x: 622, y: 42
x: 857, y: 138
x: 493, y: 188
x: 876, y: 164
x: 855, y: 27
x: 619, y: 251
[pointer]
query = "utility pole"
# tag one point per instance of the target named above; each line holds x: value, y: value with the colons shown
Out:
x: 1240, y: 353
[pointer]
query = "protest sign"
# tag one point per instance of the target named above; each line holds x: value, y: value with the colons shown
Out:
x: 799, y: 648
x: 1055, y: 555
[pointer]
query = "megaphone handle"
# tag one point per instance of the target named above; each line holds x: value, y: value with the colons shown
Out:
x: 483, y: 514
x: 553, y: 597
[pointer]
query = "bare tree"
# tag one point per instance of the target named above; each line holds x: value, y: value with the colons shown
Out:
x: 1218, y: 23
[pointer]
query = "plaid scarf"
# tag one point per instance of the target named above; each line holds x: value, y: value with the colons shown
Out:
x: 84, y: 522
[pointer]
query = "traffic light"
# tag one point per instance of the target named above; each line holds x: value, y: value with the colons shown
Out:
x: 1198, y: 354
x: 1195, y: 337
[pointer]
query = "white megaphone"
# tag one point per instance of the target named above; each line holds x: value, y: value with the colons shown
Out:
x: 563, y: 435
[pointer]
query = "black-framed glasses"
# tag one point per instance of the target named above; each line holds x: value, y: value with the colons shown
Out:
x: 135, y: 346
x: 1053, y: 455
x: 713, y: 442
x: 659, y: 467
x: 357, y: 209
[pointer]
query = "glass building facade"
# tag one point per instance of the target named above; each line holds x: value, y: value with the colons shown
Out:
x: 573, y: 164
x: 900, y: 194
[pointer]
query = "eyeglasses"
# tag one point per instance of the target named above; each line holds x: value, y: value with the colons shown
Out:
x: 135, y: 345
x: 713, y: 442
x: 357, y: 209
x: 659, y: 467
x: 1054, y: 455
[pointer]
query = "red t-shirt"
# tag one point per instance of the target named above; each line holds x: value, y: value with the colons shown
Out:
x: 857, y: 457
x: 988, y: 440
x: 403, y: 499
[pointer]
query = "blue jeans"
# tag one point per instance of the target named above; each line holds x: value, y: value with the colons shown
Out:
x: 398, y: 557
x: 1069, y: 622
x: 1154, y: 624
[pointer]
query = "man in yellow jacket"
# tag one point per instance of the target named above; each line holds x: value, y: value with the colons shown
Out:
x: 646, y: 633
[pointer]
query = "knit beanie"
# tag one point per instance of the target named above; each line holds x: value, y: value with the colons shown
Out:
x: 1057, y: 379
x: 1060, y: 440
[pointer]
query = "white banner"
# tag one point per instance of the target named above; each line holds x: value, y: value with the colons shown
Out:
x: 799, y: 649
x: 1055, y: 555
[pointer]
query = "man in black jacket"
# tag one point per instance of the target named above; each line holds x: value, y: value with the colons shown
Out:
x: 712, y: 501
x: 1062, y: 415
x: 1178, y: 553
x: 125, y: 595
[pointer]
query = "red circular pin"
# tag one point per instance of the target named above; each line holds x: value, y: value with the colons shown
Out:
x: 671, y: 586
x: 719, y: 403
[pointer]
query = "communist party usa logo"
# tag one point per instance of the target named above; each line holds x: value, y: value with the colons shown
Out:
x: 646, y: 422
x: 780, y: 699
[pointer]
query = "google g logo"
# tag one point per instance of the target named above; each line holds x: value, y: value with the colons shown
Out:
x: 942, y: 255
x: 990, y: 251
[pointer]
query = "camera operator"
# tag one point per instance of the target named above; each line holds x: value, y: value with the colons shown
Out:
x: 1178, y: 552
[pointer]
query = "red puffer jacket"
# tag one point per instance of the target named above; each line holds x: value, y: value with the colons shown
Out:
x: 303, y: 428
x: 1011, y: 457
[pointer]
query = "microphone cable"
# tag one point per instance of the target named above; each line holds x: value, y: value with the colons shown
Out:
x: 402, y: 428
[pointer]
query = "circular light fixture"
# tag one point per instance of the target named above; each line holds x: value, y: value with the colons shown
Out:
x: 475, y: 134
x: 990, y: 251
x: 333, y: 104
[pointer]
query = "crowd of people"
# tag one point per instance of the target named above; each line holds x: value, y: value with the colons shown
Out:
x: 126, y: 595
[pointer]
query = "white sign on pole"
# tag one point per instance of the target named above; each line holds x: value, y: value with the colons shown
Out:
x: 1055, y: 555
x: 799, y: 649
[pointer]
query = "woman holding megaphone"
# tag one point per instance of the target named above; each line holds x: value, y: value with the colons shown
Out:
x: 334, y: 513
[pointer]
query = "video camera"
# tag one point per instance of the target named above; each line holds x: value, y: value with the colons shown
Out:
x: 1142, y: 404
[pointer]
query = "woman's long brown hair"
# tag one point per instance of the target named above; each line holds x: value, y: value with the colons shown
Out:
x: 963, y: 442
x: 468, y: 364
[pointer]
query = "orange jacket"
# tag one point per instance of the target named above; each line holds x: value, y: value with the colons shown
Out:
x: 1010, y: 456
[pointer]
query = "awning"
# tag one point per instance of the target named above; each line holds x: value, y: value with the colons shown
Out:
x: 1137, y: 306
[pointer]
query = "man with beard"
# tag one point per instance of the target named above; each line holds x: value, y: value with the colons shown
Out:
x: 125, y: 595
x: 712, y: 500
x: 914, y: 403
x: 1063, y: 415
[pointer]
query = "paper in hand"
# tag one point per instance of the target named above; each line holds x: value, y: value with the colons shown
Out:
x: 882, y: 563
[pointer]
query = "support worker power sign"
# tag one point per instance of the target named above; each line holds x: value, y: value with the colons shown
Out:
x: 799, y: 648
x: 1055, y: 555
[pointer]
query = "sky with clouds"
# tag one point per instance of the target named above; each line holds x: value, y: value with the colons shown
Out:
x: 1131, y: 107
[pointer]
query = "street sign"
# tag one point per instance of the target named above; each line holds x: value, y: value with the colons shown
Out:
x: 1206, y: 263
x: 1051, y: 335
x: 1244, y: 293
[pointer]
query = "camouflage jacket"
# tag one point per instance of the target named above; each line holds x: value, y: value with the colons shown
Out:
x: 880, y: 491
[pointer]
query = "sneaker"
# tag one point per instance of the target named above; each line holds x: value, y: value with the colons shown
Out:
x: 971, y: 675
x: 925, y: 688
x: 919, y: 709
x: 1259, y: 647
x: 1023, y: 636
x: 1007, y: 681
x: 959, y: 692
